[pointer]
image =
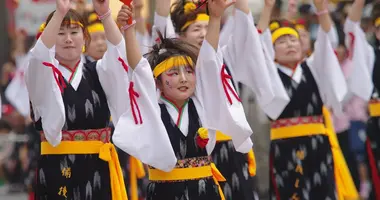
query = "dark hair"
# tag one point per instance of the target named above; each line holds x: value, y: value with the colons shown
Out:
x: 178, y: 16
x: 75, y: 16
x: 173, y: 47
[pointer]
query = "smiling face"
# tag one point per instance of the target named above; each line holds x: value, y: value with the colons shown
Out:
x: 177, y: 84
x: 288, y: 50
x: 70, y: 41
x: 195, y: 33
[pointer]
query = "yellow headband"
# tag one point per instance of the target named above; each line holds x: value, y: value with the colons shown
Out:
x: 200, y: 17
x: 300, y: 27
x: 377, y: 22
x: 283, y: 31
x: 171, y: 62
x: 97, y: 27
x: 73, y: 22
x: 43, y: 25
x: 92, y: 18
x: 273, y: 26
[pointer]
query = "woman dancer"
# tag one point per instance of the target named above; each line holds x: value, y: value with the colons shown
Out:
x: 243, y: 62
x: 305, y: 157
x: 71, y: 103
x: 177, y: 78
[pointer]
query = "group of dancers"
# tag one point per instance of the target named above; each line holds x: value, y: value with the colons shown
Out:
x: 175, y: 105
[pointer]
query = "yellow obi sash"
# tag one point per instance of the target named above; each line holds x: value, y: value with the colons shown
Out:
x: 374, y: 108
x: 136, y: 171
x: 106, y: 151
x: 189, y: 173
x: 309, y: 126
x: 220, y: 137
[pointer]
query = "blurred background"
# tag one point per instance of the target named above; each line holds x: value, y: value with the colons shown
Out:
x: 19, y: 142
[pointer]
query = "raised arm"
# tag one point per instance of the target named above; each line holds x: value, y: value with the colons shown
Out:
x: 361, y: 54
x: 162, y: 21
x: 214, y: 91
x: 324, y: 63
x: 43, y: 79
x: 140, y: 131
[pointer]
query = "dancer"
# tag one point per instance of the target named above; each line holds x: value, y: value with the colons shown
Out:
x: 189, y: 22
x: 305, y: 156
x: 178, y: 78
x: 71, y: 105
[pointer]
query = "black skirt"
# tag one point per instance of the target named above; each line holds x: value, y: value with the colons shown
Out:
x: 75, y: 177
x: 302, y: 168
x: 234, y: 167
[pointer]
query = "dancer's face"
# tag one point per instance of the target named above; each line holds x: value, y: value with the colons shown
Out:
x: 288, y: 50
x: 70, y: 42
x: 97, y: 46
x: 177, y: 84
x: 195, y: 33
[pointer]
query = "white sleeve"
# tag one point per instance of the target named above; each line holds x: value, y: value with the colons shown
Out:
x: 113, y: 76
x: 144, y: 42
x: 266, y: 40
x: 218, y: 98
x: 281, y: 98
x: 227, y: 30
x: 44, y: 92
x: 361, y: 58
x: 16, y: 92
x: 164, y: 25
x: 327, y: 73
x: 147, y: 140
x: 245, y: 56
x: 333, y: 37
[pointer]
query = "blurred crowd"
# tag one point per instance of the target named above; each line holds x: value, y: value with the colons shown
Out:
x: 19, y: 141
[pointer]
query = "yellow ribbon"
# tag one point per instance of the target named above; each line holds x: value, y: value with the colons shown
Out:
x: 251, y: 163
x: 344, y: 184
x: 106, y: 151
x: 189, y: 173
x: 374, y: 108
x: 136, y: 171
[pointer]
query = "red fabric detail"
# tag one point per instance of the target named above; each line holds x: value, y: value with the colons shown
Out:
x: 57, y: 76
x: 201, y: 142
x: 132, y: 98
x: 7, y: 109
x: 73, y: 71
x: 103, y: 135
x: 351, y: 45
x: 259, y: 31
x: 296, y: 120
x: 374, y: 172
x: 227, y: 86
x: 31, y: 196
x: 125, y: 66
x: 38, y: 35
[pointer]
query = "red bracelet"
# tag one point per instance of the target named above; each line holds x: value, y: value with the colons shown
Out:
x: 108, y: 13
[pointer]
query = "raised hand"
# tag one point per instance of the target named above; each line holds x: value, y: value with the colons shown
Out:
x: 124, y: 15
x: 217, y: 7
x: 269, y: 3
x: 101, y: 7
x: 63, y: 6
x: 320, y: 4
